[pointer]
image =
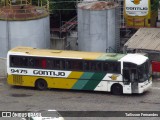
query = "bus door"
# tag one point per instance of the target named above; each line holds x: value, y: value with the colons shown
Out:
x: 130, y: 75
x: 134, y: 80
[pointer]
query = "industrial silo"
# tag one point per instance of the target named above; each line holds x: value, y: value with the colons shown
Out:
x: 98, y: 26
x: 24, y: 23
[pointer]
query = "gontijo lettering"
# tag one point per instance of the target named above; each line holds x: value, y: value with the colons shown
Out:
x: 136, y: 8
x: 50, y: 73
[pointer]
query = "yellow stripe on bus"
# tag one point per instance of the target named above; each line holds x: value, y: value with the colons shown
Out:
x: 52, y: 82
x: 75, y: 75
x: 62, y: 83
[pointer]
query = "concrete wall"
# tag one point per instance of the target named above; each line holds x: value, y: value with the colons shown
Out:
x: 58, y: 43
x: 72, y: 41
x: 3, y: 67
x: 32, y: 33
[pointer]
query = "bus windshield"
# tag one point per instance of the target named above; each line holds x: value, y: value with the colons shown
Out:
x: 143, y: 72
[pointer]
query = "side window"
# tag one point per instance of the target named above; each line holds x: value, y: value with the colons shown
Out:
x: 106, y: 66
x: 116, y: 67
x: 68, y: 64
x: 77, y: 65
x: 23, y: 61
x: 86, y: 65
x: 49, y: 64
x: 37, y: 63
x: 58, y: 64
x: 34, y: 62
x: 30, y: 62
x: 112, y: 67
x: 53, y: 63
x: 14, y: 61
x: 43, y: 63
x: 98, y: 66
x: 74, y: 65
x: 18, y: 61
x: 94, y: 66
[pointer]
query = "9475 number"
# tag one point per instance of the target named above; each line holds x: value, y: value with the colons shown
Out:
x: 19, y: 71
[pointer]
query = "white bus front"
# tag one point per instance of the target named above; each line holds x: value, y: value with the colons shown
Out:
x: 136, y: 73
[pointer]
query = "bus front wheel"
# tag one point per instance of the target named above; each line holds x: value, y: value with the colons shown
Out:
x: 41, y: 84
x: 116, y: 89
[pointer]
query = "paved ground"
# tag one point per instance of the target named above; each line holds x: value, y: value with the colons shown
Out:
x: 28, y: 99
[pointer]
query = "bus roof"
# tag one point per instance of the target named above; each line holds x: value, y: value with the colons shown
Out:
x: 134, y: 58
x: 28, y: 51
x: 66, y: 54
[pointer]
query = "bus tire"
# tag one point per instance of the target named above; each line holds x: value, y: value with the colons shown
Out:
x: 41, y: 84
x: 116, y: 89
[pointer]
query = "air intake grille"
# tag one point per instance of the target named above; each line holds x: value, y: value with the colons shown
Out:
x: 17, y: 79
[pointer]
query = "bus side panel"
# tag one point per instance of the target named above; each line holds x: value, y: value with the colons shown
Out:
x: 76, y: 80
x: 83, y: 80
x: 108, y: 81
x: 94, y: 81
x: 64, y: 83
x: 61, y: 83
x: 20, y: 80
x: 29, y: 81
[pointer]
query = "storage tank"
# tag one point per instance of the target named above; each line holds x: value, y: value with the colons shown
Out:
x: 24, y: 23
x: 98, y: 26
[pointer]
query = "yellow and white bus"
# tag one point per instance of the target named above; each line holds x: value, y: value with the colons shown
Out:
x: 141, y: 13
x: 110, y: 72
